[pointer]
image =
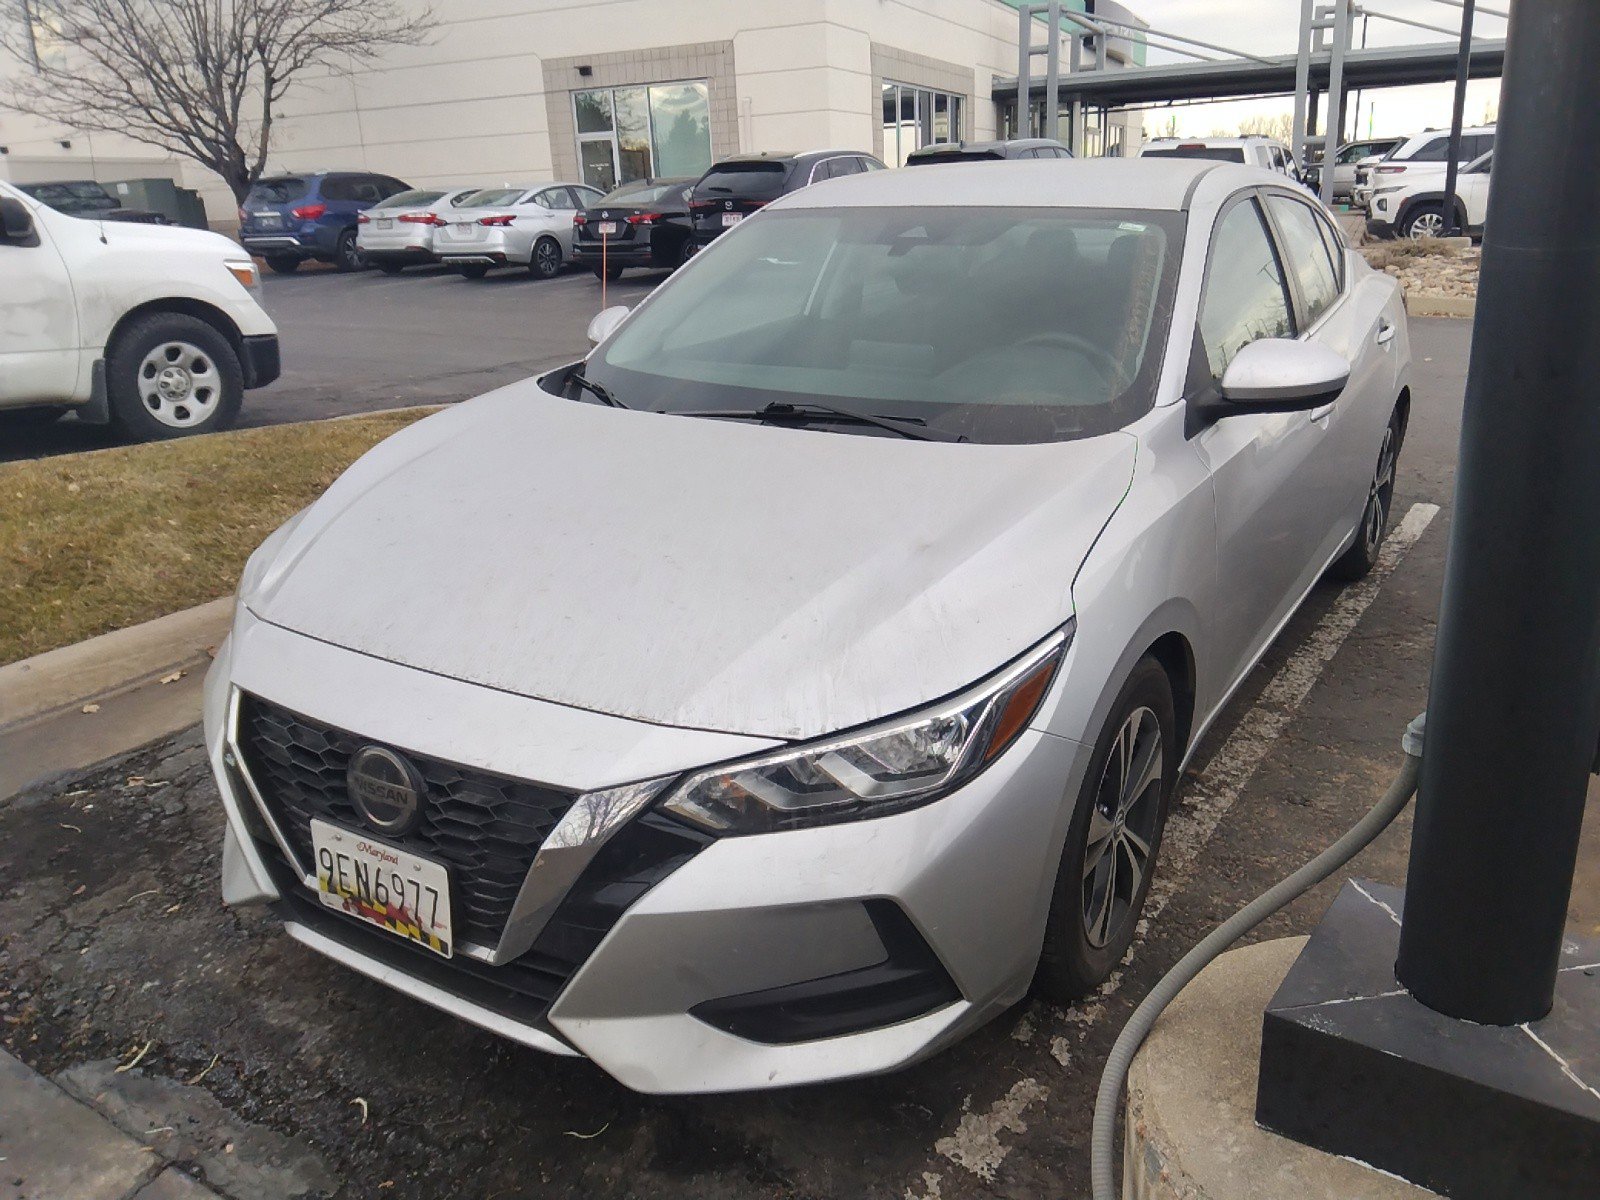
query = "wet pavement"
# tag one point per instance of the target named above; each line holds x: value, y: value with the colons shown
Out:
x: 113, y: 941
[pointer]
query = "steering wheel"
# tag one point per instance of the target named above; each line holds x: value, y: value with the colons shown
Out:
x: 1108, y: 364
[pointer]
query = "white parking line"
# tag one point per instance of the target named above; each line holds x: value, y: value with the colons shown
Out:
x: 975, y: 1144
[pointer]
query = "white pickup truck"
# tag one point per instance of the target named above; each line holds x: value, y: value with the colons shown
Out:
x: 153, y: 329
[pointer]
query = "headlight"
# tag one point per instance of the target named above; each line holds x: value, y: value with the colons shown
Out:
x: 244, y: 272
x: 1387, y: 190
x: 884, y: 768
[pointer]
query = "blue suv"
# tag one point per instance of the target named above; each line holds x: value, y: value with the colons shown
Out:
x: 289, y: 218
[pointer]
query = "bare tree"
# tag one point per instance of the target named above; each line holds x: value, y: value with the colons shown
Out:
x: 199, y: 78
x: 1278, y: 125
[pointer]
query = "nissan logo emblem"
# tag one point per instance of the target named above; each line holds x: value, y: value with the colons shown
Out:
x: 386, y: 790
x: 728, y: 204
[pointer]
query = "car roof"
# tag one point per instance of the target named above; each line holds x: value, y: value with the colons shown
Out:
x: 1249, y: 140
x: 1001, y: 145
x: 1132, y: 183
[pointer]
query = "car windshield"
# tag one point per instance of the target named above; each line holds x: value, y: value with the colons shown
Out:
x: 276, y: 191
x: 489, y: 197
x: 755, y: 180
x: 1197, y: 150
x: 414, y: 198
x: 992, y: 324
x: 638, y: 193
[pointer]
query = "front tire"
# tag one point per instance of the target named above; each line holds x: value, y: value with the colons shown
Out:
x: 1423, y: 221
x: 1358, y: 561
x: 169, y: 375
x: 1114, y: 839
x: 546, y: 260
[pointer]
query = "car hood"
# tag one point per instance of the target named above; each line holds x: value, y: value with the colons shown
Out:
x: 174, y: 237
x: 693, y: 572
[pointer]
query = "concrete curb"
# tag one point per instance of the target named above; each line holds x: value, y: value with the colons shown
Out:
x: 54, y: 1145
x: 1442, y: 306
x: 58, y: 680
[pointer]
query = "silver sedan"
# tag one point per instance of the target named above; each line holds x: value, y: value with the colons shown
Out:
x: 779, y: 693
x: 528, y: 226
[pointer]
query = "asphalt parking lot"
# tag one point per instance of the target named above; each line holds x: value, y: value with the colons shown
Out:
x: 275, y: 1072
x: 357, y: 343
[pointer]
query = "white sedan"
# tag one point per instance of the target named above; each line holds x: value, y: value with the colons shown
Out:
x: 781, y: 692
x: 528, y: 226
x: 398, y: 232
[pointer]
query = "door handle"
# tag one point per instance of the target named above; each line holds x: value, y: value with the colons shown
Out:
x: 1386, y: 331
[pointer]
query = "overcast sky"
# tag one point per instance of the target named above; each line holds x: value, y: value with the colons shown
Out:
x: 1269, y: 27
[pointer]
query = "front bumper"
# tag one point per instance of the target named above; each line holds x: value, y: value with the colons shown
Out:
x: 259, y: 359
x: 695, y: 983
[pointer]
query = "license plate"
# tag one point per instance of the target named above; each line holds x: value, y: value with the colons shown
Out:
x: 383, y: 885
x: 607, y: 229
x: 731, y: 219
x: 383, y: 223
x: 464, y: 232
x: 269, y: 220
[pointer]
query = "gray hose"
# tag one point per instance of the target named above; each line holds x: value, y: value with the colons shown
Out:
x: 1103, y: 1142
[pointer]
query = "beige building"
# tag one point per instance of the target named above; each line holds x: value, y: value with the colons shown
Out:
x: 608, y: 90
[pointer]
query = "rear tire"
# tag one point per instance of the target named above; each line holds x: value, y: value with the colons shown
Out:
x: 347, y: 256
x: 1358, y: 561
x: 472, y: 270
x: 145, y: 410
x: 1104, y: 875
x: 546, y: 260
x: 391, y: 268
x: 1423, y: 221
x: 283, y: 264
x: 611, y: 273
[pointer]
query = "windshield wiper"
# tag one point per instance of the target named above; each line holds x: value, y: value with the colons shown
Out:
x: 782, y: 410
x: 600, y: 393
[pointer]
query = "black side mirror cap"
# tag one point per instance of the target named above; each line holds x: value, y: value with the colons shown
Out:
x: 16, y: 222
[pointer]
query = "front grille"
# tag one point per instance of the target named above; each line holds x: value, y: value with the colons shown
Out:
x: 484, y: 828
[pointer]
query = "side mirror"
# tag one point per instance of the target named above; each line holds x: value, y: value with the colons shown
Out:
x: 605, y: 323
x: 16, y: 222
x: 1280, y: 375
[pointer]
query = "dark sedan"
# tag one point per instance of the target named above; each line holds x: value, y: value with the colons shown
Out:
x: 641, y: 224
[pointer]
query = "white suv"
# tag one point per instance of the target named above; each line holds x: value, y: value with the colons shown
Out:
x: 1252, y: 151
x: 152, y: 328
x: 1414, y: 207
x: 1426, y: 154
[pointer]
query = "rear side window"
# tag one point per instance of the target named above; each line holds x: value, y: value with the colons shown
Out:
x: 744, y: 180
x: 1197, y: 150
x: 276, y: 191
x: 1307, y: 253
x: 491, y: 198
x: 1245, y: 297
x: 834, y: 168
x: 1434, y: 150
x: 411, y: 199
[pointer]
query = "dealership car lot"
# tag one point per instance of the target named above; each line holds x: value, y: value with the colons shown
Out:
x: 100, y: 955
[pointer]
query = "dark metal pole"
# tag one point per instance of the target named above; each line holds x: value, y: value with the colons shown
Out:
x: 1514, y: 704
x: 1462, y: 56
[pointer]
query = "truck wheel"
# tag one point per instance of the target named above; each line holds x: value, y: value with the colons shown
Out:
x: 283, y: 264
x: 1423, y: 221
x: 169, y: 374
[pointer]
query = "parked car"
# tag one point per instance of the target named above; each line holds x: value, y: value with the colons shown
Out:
x: 1426, y: 153
x: 774, y: 695
x: 1416, y: 209
x: 948, y: 152
x: 640, y: 224
x: 287, y: 219
x: 398, y: 232
x: 86, y: 198
x: 737, y: 186
x: 529, y: 226
x: 1344, y: 165
x: 1252, y: 151
x: 154, y: 329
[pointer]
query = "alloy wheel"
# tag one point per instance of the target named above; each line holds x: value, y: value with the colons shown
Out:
x: 1122, y: 827
x: 547, y: 259
x: 179, y: 384
x: 1380, y: 496
x: 1426, y: 225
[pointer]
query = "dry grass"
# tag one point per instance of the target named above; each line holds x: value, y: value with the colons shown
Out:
x: 98, y: 541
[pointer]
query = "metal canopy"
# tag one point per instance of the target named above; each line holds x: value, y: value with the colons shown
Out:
x: 1385, y: 66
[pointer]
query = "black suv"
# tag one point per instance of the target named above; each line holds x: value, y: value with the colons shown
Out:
x: 949, y: 152
x: 736, y: 187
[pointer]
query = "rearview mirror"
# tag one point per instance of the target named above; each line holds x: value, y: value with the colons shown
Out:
x: 1280, y: 375
x: 16, y: 222
x: 605, y: 323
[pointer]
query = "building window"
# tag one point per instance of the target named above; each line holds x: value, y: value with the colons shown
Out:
x: 628, y: 133
x: 914, y: 117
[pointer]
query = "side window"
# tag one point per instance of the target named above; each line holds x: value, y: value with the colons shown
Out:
x: 1436, y: 150
x: 337, y: 187
x: 390, y: 187
x: 365, y: 191
x: 1245, y: 298
x: 871, y: 164
x: 1307, y: 255
x: 546, y: 198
